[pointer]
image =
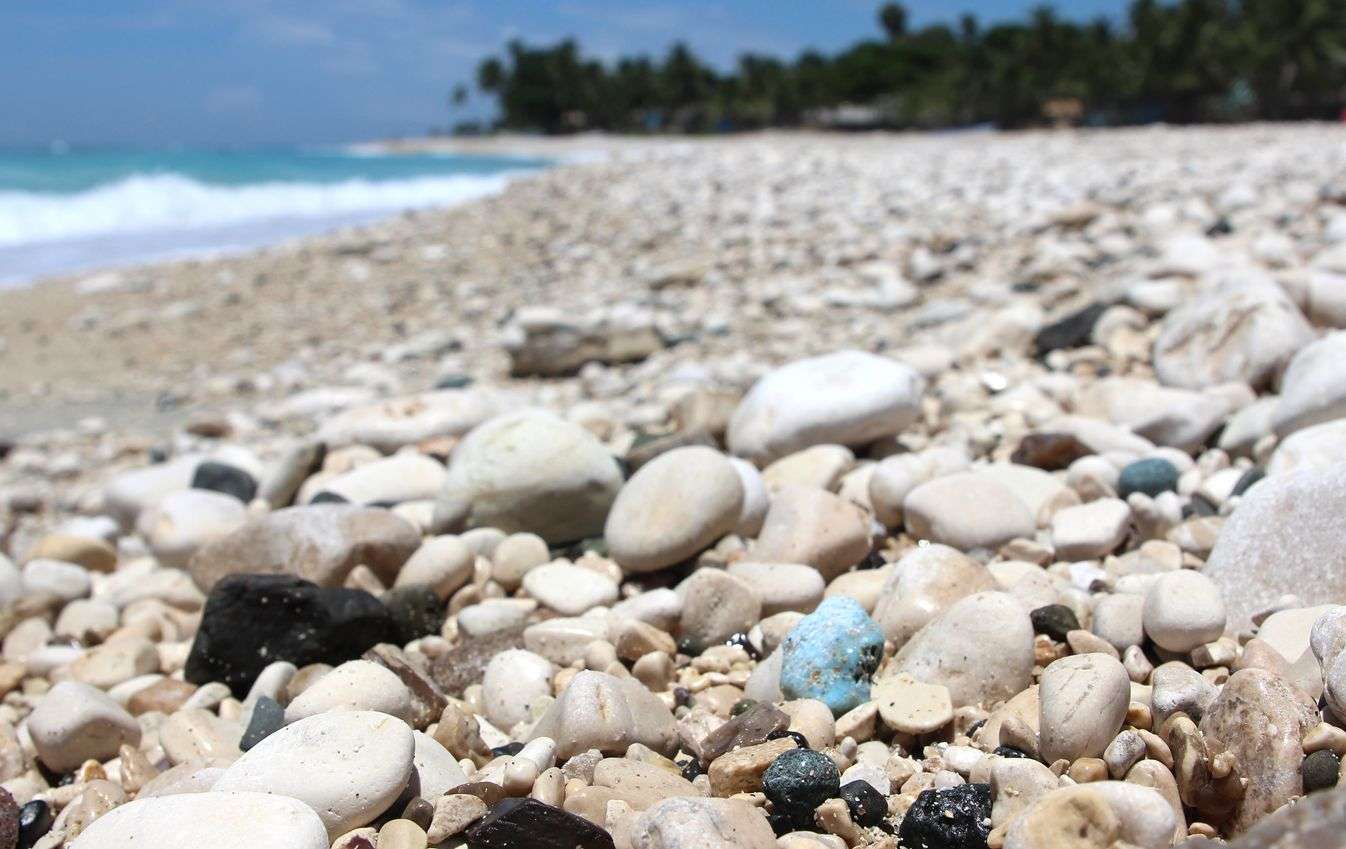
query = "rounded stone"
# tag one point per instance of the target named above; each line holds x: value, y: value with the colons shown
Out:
x: 980, y: 648
x: 1082, y: 703
x: 568, y: 589
x: 798, y: 781
x: 349, y: 766
x: 443, y: 563
x: 675, y: 506
x: 831, y: 655
x: 967, y: 511
x: 212, y: 820
x: 1320, y: 770
x: 75, y: 722
x: 1183, y: 610
x: 948, y: 818
x: 358, y: 685
x: 1054, y: 620
x: 924, y: 583
x: 715, y: 607
x: 515, y: 683
x: 1150, y: 476
x: 530, y: 471
x: 782, y: 586
x: 867, y: 805
x: 846, y: 398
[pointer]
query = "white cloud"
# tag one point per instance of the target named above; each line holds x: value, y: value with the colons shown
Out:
x: 292, y: 31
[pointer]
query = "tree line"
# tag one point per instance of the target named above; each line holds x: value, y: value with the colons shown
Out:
x: 1181, y: 62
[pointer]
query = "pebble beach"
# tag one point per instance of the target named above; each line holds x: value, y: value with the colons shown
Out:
x: 786, y: 491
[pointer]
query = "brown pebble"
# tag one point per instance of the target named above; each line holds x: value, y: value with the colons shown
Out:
x: 166, y: 695
x: 484, y: 790
x: 419, y: 811
x: 1049, y: 451
x: 1086, y: 770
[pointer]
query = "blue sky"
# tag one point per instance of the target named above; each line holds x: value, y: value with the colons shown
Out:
x: 255, y: 71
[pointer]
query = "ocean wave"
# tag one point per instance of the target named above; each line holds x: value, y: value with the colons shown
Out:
x: 148, y: 203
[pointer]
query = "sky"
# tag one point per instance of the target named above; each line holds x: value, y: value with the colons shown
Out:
x: 242, y: 72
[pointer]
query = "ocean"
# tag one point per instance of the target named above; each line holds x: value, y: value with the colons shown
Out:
x: 68, y: 210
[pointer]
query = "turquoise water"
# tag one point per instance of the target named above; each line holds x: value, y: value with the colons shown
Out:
x: 69, y: 210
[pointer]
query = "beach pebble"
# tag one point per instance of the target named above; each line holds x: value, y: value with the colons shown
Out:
x: 1313, y: 389
x: 212, y: 820
x: 948, y: 818
x: 716, y: 606
x: 1150, y: 476
x: 831, y: 655
x: 598, y: 711
x: 1090, y: 530
x: 91, y: 552
x: 391, y: 424
x: 1119, y: 619
x: 515, y: 683
x: 798, y: 781
x: 845, y: 398
x: 980, y: 648
x: 251, y: 621
x: 517, y: 822
x: 755, y: 498
x: 533, y: 472
x: 781, y: 586
x: 75, y: 722
x: 569, y: 590
x: 910, y: 707
x: 813, y: 527
x: 515, y: 556
x: 349, y: 766
x: 129, y: 493
x: 65, y: 581
x: 966, y: 511
x: 442, y: 563
x: 926, y: 582
x: 320, y: 543
x: 1261, y: 720
x: 694, y: 823
x: 1098, y: 814
x: 1278, y: 541
x: 1083, y: 701
x: 675, y: 506
x: 1245, y: 333
x: 180, y: 523
x: 405, y: 476
x: 1183, y: 609
x: 357, y: 685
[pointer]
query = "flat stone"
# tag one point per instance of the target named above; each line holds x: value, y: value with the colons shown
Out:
x: 320, y: 543
x: 1082, y: 703
x: 598, y: 711
x: 967, y: 511
x: 781, y: 586
x: 911, y: 707
x: 1092, y: 530
x: 846, y: 398
x: 640, y: 785
x: 349, y: 766
x: 813, y: 527
x: 357, y: 685
x: 212, y: 820
x: 405, y: 476
x: 693, y: 823
x: 569, y: 590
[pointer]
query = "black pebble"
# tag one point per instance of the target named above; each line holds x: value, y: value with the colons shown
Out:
x: 1250, y: 477
x: 741, y: 640
x: 253, y: 620
x: 1009, y: 752
x: 328, y: 498
x: 868, y: 806
x: 692, y: 769
x: 1072, y: 331
x: 416, y: 611
x: 510, y: 749
x: 35, y: 819
x: 689, y: 646
x: 222, y: 477
x: 742, y: 706
x: 518, y: 823
x: 950, y: 818
x: 268, y: 717
x: 681, y: 697
x: 1320, y: 770
x: 800, y: 739
x: 1054, y: 620
x: 800, y: 780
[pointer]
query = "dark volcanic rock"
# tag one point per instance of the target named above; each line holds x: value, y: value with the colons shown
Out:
x: 799, y: 781
x: 416, y: 612
x: 516, y: 823
x: 268, y: 717
x: 1054, y: 620
x: 465, y: 664
x: 222, y: 477
x: 1320, y: 770
x: 35, y: 820
x: 1073, y: 331
x: 951, y: 818
x: 1049, y: 451
x: 868, y: 806
x: 253, y: 620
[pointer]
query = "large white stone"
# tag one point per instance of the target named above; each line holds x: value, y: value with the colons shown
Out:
x: 349, y: 766
x: 183, y: 521
x: 847, y: 397
x: 1313, y: 389
x: 981, y: 648
x: 211, y: 820
x: 530, y: 471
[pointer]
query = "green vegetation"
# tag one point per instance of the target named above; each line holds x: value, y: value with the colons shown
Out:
x: 1188, y: 61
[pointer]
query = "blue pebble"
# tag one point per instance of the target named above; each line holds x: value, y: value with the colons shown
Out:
x: 831, y: 655
x: 1151, y: 477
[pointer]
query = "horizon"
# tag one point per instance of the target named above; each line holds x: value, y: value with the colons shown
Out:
x: 166, y: 75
